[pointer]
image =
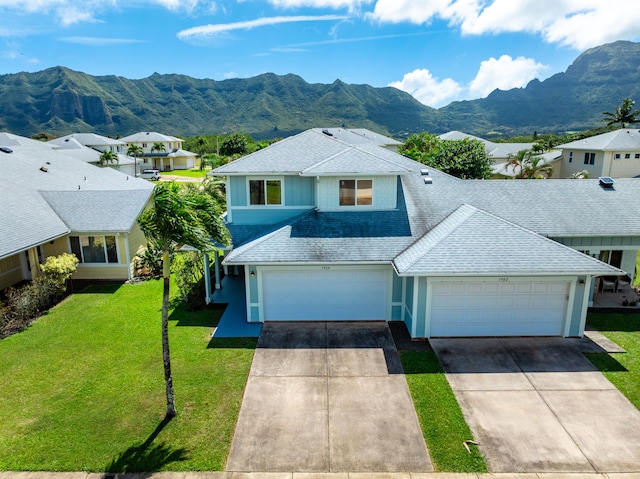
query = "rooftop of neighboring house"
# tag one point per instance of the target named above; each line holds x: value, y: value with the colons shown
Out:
x: 73, y: 147
x: 88, y: 139
x: 627, y: 139
x: 149, y: 137
x: 356, y: 136
x: 46, y: 193
x: 494, y: 150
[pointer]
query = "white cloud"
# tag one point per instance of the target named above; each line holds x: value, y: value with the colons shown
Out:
x: 352, y: 5
x: 70, y: 16
x: 579, y: 24
x: 504, y: 73
x: 206, y: 31
x: 428, y: 90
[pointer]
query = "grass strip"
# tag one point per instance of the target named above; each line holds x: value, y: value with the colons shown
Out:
x: 441, y: 419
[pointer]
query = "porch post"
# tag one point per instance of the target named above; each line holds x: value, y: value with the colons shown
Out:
x: 217, y: 271
x: 207, y: 279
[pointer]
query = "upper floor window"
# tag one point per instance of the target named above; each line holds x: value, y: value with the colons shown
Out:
x: 589, y: 158
x: 265, y: 192
x: 94, y: 249
x: 637, y: 155
x: 570, y: 156
x: 356, y: 192
x: 617, y: 157
x: 627, y: 156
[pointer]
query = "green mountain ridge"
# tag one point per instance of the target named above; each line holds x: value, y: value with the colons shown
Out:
x: 61, y: 101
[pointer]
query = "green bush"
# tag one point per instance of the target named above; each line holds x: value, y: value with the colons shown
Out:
x: 188, y: 271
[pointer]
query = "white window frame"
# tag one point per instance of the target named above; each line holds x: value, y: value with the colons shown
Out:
x: 265, y: 179
x: 356, y: 179
x: 106, y: 253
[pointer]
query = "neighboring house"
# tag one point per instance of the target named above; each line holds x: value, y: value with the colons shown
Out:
x: 327, y: 230
x: 88, y: 147
x: 615, y: 154
x: 172, y: 158
x: 362, y: 136
x: 53, y: 203
x: 499, y: 154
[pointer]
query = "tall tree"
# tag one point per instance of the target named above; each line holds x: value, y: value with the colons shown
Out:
x: 526, y: 165
x: 107, y: 157
x: 135, y: 151
x: 466, y: 158
x: 158, y: 147
x: 180, y: 216
x: 623, y: 114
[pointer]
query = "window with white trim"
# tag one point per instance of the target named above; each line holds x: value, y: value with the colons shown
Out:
x: 356, y: 192
x: 265, y: 192
x: 94, y: 249
x: 589, y: 158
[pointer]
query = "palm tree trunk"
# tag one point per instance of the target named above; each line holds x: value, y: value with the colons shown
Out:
x: 166, y: 356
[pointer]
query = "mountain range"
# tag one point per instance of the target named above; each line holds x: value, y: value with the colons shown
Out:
x: 59, y: 101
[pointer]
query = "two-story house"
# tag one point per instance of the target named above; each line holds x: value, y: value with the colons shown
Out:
x: 327, y: 230
x: 615, y: 154
x: 88, y: 147
x: 170, y: 157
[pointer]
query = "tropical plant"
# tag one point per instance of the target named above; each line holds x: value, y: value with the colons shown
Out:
x: 180, y: 216
x: 580, y: 175
x: 107, y: 157
x: 526, y: 165
x: 623, y: 114
x: 234, y: 144
x: 466, y: 158
x: 135, y: 151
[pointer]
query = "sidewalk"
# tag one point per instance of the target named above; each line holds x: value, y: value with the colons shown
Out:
x: 307, y: 475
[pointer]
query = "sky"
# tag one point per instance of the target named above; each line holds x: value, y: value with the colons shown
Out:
x: 439, y: 51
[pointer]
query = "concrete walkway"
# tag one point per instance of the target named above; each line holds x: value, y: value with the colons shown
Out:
x: 538, y: 405
x: 327, y: 397
x: 306, y: 475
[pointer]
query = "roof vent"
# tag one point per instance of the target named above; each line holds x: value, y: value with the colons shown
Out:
x: 327, y: 132
x: 4, y: 149
x: 44, y: 169
x: 427, y: 180
x: 424, y: 172
x: 606, y: 181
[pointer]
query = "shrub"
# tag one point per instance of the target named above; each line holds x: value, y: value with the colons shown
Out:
x: 188, y: 271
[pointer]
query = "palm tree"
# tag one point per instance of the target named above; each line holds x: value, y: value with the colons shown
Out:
x: 135, y: 151
x: 528, y: 166
x: 201, y: 143
x: 108, y: 157
x: 158, y: 147
x: 180, y: 216
x: 623, y: 114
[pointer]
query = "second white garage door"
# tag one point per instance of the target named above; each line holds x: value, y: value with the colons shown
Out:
x: 321, y: 295
x: 498, y: 308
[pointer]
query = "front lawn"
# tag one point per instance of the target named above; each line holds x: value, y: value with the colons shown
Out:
x: 440, y: 416
x: 83, y: 388
x: 622, y: 369
x: 194, y: 173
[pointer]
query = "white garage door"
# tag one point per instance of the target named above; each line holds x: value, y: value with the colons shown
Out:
x: 498, y: 308
x: 325, y: 295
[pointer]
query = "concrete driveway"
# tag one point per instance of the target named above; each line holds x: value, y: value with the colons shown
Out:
x: 538, y: 405
x: 327, y: 397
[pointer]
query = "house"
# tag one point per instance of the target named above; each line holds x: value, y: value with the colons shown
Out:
x: 500, y: 153
x: 327, y: 230
x: 172, y: 157
x: 88, y: 147
x: 53, y: 203
x: 615, y: 154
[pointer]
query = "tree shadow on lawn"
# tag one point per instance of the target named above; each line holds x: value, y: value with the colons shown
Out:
x: 147, y: 457
x: 614, y: 322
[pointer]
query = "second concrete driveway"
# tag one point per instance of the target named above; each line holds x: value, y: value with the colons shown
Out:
x: 327, y: 397
x: 538, y: 405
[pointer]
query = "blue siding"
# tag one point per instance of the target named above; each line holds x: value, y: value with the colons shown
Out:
x: 396, y: 294
x: 299, y: 191
x: 264, y: 215
x: 597, y: 242
x: 408, y: 304
x: 238, y: 187
x: 422, y: 308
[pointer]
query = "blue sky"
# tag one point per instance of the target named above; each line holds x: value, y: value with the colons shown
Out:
x: 437, y: 50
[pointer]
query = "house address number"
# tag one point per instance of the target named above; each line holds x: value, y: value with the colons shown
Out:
x: 324, y: 268
x: 503, y: 280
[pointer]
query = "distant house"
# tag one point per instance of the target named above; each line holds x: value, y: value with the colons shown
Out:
x: 54, y: 203
x: 173, y: 157
x: 499, y: 154
x: 615, y: 154
x: 327, y: 229
x: 88, y: 147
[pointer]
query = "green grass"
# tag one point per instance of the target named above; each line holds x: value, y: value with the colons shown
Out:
x: 622, y: 369
x: 441, y: 419
x: 194, y: 173
x: 83, y: 387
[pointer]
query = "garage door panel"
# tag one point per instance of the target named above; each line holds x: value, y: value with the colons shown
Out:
x: 498, y: 308
x: 325, y: 295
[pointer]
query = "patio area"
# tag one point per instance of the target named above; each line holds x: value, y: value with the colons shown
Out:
x: 608, y: 300
x: 233, y: 323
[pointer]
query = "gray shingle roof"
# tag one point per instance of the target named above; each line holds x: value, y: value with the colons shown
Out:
x: 46, y: 194
x: 473, y: 242
x: 627, y: 139
x: 148, y: 136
